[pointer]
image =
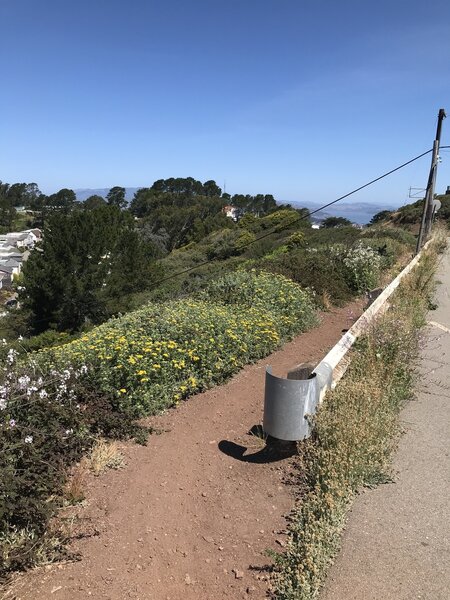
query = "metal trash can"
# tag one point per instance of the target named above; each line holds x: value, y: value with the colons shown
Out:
x: 287, y: 402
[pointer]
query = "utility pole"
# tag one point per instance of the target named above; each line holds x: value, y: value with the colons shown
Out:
x: 427, y: 215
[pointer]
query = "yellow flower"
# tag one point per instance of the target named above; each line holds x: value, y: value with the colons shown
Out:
x: 123, y: 391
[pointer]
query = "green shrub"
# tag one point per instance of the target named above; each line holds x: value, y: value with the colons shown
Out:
x: 362, y: 266
x: 283, y: 298
x: 316, y: 269
x: 394, y: 233
x: 389, y: 250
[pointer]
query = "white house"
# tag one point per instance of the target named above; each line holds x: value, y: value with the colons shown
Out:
x: 22, y: 239
x: 231, y: 211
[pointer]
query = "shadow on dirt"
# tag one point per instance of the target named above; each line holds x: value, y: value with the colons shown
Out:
x: 273, y: 450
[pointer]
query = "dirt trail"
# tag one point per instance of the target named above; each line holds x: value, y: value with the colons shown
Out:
x: 189, y: 518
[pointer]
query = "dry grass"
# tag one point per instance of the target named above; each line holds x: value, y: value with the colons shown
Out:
x: 326, y: 300
x: 74, y: 491
x: 105, y: 455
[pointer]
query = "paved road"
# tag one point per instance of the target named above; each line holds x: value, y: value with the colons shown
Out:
x: 397, y: 542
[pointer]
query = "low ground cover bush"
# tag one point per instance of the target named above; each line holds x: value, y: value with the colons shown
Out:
x: 354, y: 434
x: 338, y: 271
x: 152, y: 358
x: 319, y: 271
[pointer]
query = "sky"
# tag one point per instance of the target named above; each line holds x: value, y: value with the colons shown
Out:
x: 304, y: 100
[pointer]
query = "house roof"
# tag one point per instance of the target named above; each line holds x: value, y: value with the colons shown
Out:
x: 9, y: 262
x: 17, y: 236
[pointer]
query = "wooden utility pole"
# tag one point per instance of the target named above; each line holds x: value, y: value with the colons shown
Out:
x: 427, y: 215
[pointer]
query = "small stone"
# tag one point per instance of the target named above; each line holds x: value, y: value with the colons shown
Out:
x: 250, y: 589
x: 208, y: 539
x: 238, y: 574
x: 204, y: 494
x: 187, y: 579
x: 220, y: 548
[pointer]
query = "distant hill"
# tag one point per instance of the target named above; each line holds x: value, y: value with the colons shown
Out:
x: 84, y: 193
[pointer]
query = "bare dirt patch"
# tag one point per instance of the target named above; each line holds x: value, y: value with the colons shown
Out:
x: 186, y: 519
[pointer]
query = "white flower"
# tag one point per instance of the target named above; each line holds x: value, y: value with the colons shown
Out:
x: 43, y: 394
x: 69, y: 431
x: 23, y: 381
x: 2, y: 403
x: 28, y: 439
x: 11, y: 356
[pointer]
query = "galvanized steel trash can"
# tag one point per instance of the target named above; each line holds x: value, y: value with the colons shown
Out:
x: 287, y: 403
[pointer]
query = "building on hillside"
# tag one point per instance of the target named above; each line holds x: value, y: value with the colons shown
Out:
x: 36, y: 232
x: 231, y: 211
x: 7, y: 276
x: 22, y: 239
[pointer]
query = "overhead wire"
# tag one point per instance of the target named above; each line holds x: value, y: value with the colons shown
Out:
x: 302, y: 217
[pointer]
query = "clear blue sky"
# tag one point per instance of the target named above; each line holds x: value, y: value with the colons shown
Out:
x: 301, y: 99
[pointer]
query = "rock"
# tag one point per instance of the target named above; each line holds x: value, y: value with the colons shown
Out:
x: 238, y: 574
x: 208, y: 539
x: 250, y: 589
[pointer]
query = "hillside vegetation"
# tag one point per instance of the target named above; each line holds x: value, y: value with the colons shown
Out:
x: 410, y: 215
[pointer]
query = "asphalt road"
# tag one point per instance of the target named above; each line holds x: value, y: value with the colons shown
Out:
x: 397, y: 542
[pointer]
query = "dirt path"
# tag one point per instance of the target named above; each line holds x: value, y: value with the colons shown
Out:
x: 189, y: 518
x: 397, y: 542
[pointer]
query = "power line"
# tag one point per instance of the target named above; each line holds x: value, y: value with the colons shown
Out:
x: 300, y: 218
